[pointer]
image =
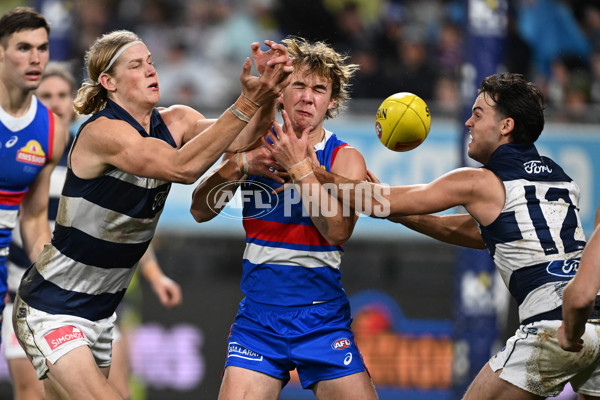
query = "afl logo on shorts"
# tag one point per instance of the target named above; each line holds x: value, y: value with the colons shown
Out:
x: 341, y: 344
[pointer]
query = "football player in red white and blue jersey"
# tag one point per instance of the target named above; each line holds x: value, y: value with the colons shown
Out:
x: 32, y: 138
x: 295, y: 314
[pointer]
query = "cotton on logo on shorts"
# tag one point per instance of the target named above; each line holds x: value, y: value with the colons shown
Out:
x: 63, y: 335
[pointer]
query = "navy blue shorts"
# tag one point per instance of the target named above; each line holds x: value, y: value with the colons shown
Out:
x: 314, y: 339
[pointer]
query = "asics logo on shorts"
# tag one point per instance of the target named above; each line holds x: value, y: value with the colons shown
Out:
x: 237, y: 350
x: 348, y: 358
x: 63, y: 335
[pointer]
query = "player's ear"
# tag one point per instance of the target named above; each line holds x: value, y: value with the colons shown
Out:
x: 507, y: 125
x: 108, y: 82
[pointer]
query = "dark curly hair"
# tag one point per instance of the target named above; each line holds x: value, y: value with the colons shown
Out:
x: 518, y: 99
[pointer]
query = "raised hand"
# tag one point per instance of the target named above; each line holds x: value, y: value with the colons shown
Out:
x: 285, y: 146
x: 260, y: 162
x: 565, y: 344
x: 277, y: 54
x: 275, y: 68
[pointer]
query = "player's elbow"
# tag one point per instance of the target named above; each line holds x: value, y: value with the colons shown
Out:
x: 338, y: 237
x: 202, y: 215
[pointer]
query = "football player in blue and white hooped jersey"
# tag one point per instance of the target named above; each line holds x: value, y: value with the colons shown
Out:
x: 295, y: 314
x: 524, y: 208
x: 119, y: 172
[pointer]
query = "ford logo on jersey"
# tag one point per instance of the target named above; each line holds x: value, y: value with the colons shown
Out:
x: 563, y: 268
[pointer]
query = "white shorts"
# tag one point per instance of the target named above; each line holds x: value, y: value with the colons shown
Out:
x: 533, y: 361
x: 48, y: 337
x: 10, y: 345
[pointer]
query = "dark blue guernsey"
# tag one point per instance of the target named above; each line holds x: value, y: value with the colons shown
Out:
x: 103, y: 227
x: 537, y: 240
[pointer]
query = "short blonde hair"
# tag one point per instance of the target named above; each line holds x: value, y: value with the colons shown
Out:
x: 92, y: 96
x: 321, y: 59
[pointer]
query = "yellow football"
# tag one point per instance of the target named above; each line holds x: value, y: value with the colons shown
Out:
x: 402, y: 121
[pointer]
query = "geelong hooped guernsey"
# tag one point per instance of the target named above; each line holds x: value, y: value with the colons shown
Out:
x: 287, y: 262
x: 25, y: 147
x: 537, y: 240
x: 103, y: 227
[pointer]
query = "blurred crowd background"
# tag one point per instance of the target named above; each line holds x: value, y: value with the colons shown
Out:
x: 418, y: 46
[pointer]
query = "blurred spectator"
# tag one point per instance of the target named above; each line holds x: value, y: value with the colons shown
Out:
x: 595, y: 77
x: 308, y: 18
x: 592, y: 25
x: 448, y: 48
x: 518, y: 51
x: 413, y: 72
x: 180, y: 80
x: 446, y: 100
x: 551, y: 30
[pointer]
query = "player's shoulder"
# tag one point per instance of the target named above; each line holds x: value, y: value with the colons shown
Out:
x: 477, y: 178
x: 179, y: 112
x: 350, y: 163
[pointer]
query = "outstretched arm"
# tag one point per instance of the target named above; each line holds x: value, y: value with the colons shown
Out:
x: 580, y: 295
x: 105, y: 143
x: 477, y: 189
x: 457, y: 229
x: 218, y: 187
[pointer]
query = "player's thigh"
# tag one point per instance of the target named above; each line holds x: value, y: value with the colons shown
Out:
x: 351, y: 387
x: 24, y: 379
x: 119, y: 369
x: 241, y: 383
x: 77, y: 374
x: 489, y: 386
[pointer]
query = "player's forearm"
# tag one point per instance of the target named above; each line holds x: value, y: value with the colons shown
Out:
x: 213, y: 193
x: 363, y: 197
x: 334, y: 220
x: 258, y: 126
x: 35, y: 233
x: 580, y: 293
x: 459, y: 230
x: 576, y: 311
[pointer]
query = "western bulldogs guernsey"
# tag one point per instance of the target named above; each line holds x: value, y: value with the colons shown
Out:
x: 287, y: 262
x: 25, y: 147
x: 18, y: 260
x: 537, y: 240
x: 103, y: 227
